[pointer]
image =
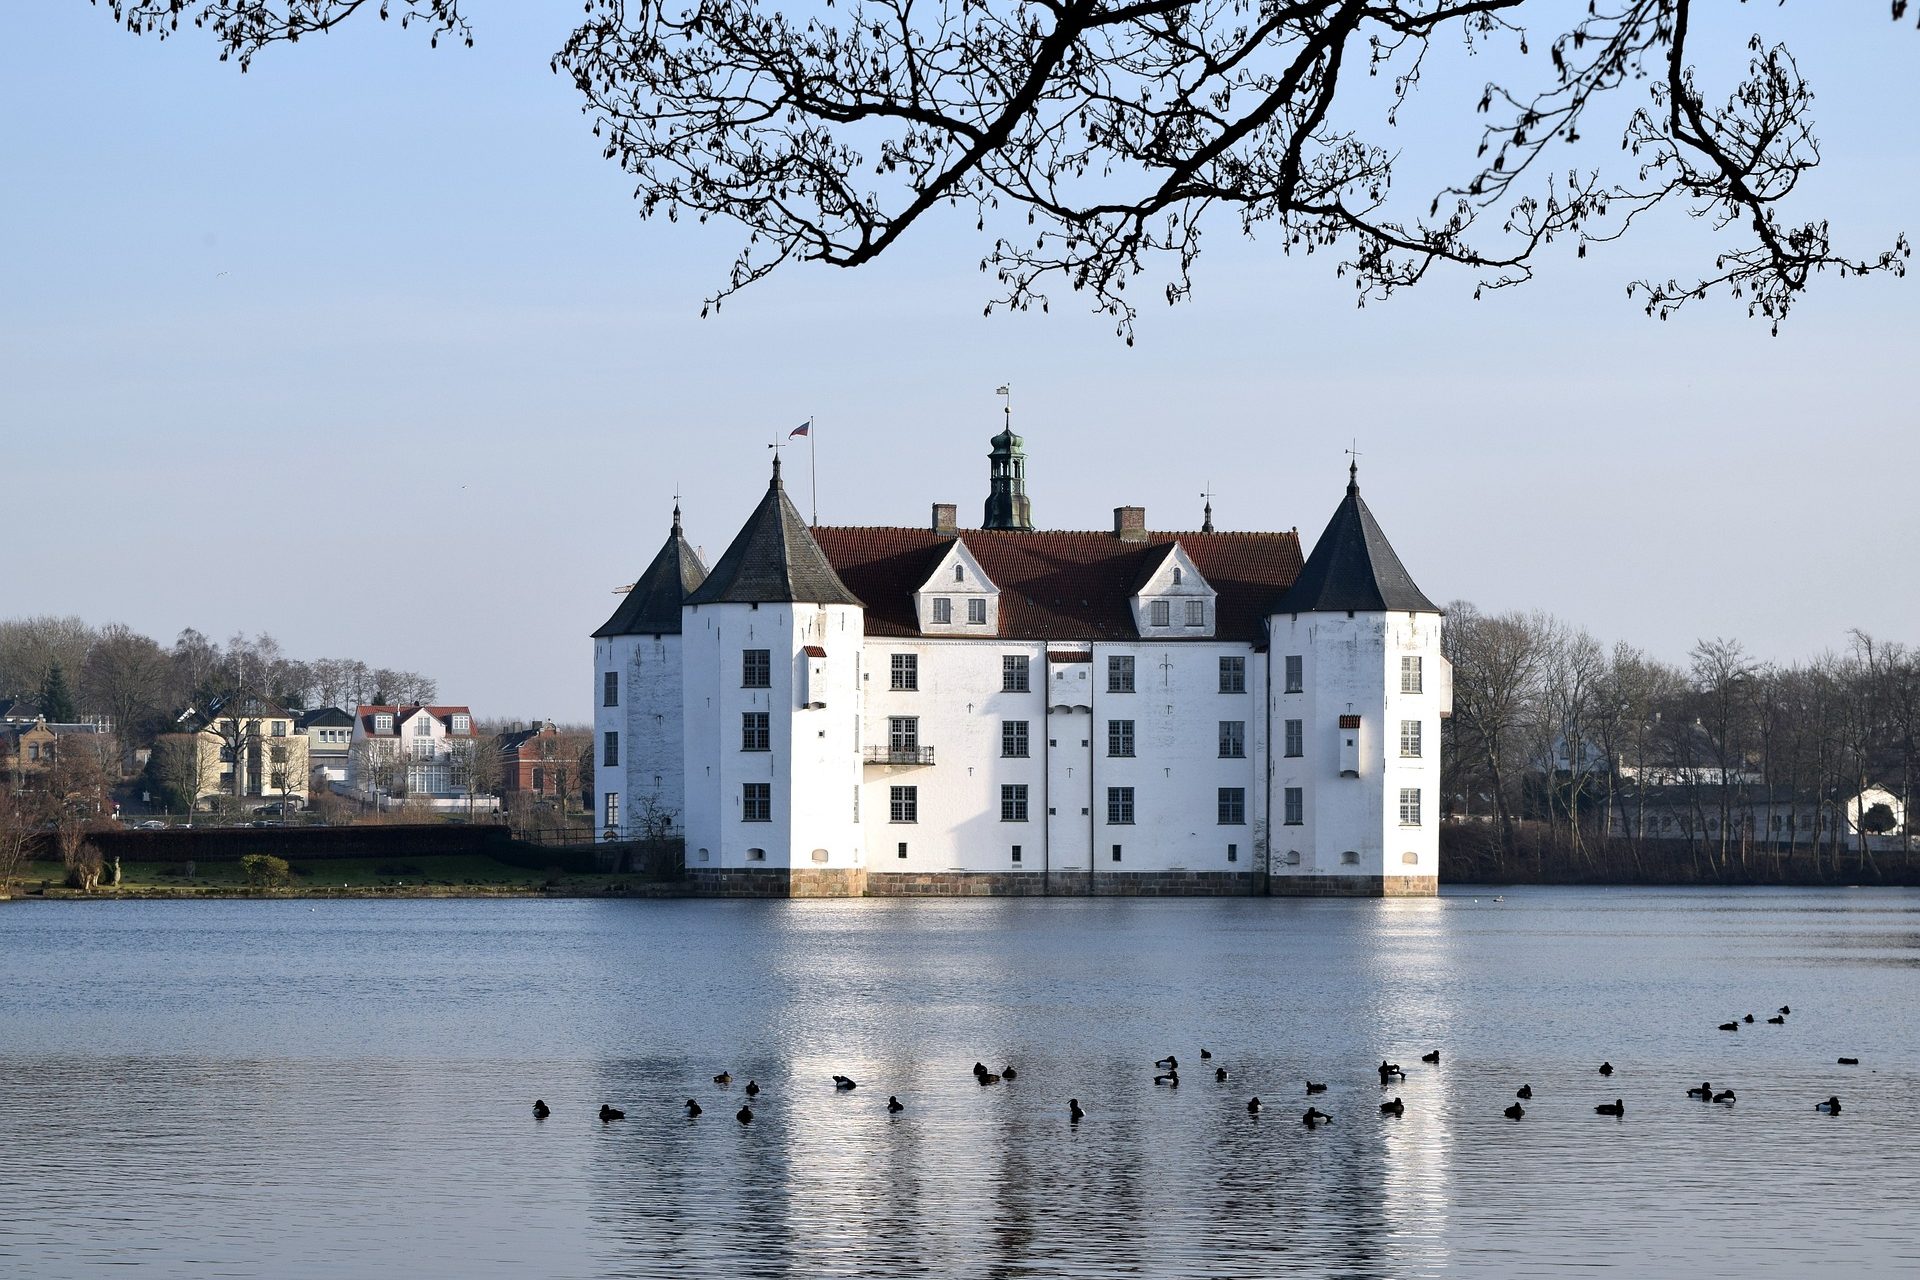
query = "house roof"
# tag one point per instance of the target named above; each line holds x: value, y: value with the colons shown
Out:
x: 444, y: 714
x: 1062, y: 585
x: 773, y: 559
x: 518, y: 738
x: 652, y: 604
x: 324, y: 717
x: 1353, y: 567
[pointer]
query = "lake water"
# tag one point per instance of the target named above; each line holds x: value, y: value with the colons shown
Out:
x: 344, y: 1088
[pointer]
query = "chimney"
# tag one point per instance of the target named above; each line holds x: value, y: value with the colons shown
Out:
x: 1130, y: 524
x: 946, y: 519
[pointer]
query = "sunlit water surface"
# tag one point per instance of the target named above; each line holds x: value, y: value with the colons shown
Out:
x: 344, y: 1088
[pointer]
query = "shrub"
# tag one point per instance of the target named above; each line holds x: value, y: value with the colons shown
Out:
x: 264, y: 871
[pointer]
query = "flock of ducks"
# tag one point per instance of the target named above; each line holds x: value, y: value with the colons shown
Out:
x: 1169, y: 1076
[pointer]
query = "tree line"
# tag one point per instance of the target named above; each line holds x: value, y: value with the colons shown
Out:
x: 1574, y: 752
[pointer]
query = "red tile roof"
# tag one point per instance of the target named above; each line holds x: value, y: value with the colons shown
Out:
x: 1062, y: 586
x: 445, y: 715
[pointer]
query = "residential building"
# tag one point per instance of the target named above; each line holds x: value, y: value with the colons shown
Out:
x: 416, y: 753
x: 243, y: 748
x: 329, y: 734
x: 540, y: 762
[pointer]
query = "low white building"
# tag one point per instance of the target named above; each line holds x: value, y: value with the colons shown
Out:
x: 1005, y: 710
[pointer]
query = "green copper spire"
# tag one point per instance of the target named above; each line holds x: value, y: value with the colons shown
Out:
x: 1007, y: 503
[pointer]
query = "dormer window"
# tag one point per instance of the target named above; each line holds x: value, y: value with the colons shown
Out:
x: 423, y: 728
x: 942, y: 610
x: 383, y: 723
x: 959, y: 573
x: 1176, y: 575
x: 1163, y: 612
x: 1196, y: 613
x: 977, y: 612
x: 462, y: 723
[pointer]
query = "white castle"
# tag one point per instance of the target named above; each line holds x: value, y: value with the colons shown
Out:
x: 839, y: 711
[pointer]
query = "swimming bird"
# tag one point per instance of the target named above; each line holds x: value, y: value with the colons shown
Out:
x: 693, y: 1108
x: 611, y: 1113
x: 1253, y: 1106
x: 1606, y: 1068
x: 894, y: 1104
x: 1777, y: 1020
x: 1168, y: 1063
x: 1433, y: 1057
x: 1831, y: 1106
x: 1849, y: 1062
x: 744, y: 1115
x: 753, y: 1089
x: 1313, y: 1116
x: 1784, y: 1011
x: 1008, y: 1073
x: 1725, y: 1095
x: 1389, y: 1070
x: 1074, y: 1113
x: 1169, y: 1078
x: 1394, y: 1108
x: 723, y: 1078
x: 1704, y: 1092
x: 1614, y: 1108
x: 1205, y: 1054
x: 1748, y: 1018
x: 1729, y: 1026
x: 844, y: 1083
x: 541, y: 1110
x: 985, y: 1079
x: 1315, y: 1088
x: 979, y: 1068
x: 1219, y: 1073
x: 1524, y: 1091
x: 1514, y: 1112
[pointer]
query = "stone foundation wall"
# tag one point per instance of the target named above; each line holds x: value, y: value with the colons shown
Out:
x: 955, y: 884
x: 1353, y: 886
x: 855, y: 882
x: 778, y: 882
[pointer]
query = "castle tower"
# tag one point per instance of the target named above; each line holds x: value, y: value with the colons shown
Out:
x: 1358, y: 688
x: 637, y: 698
x: 771, y: 709
x: 1007, y: 504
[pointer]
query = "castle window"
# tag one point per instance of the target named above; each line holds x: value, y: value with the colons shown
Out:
x: 959, y: 573
x: 942, y: 610
x: 610, y: 689
x: 1116, y: 853
x: 1233, y: 675
x: 1119, y: 673
x: 754, y: 735
x: 1120, y: 737
x: 756, y: 855
x: 1296, y: 737
x: 904, y: 807
x: 1013, y: 672
x: 1410, y: 739
x: 1119, y: 810
x: 905, y: 671
x: 611, y: 812
x: 1016, y: 855
x: 756, y: 669
x: 1233, y: 739
x: 1013, y: 739
x: 610, y: 750
x: 903, y: 735
x: 977, y: 611
x: 1013, y: 802
x: 1351, y: 858
x: 1196, y: 613
x: 902, y: 847
x: 1410, y: 674
x: 1409, y: 806
x: 756, y: 802
x: 1162, y: 613
x: 1294, y: 677
x: 1233, y: 806
x: 1233, y: 853
x: 1295, y: 806
x: 1176, y: 575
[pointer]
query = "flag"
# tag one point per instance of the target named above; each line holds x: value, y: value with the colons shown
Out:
x: 1002, y: 390
x: 805, y: 428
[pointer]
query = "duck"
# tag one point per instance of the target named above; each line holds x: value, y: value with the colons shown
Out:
x: 744, y: 1115
x: 1168, y: 1063
x: 753, y: 1089
x: 1725, y: 1095
x: 1514, y: 1112
x: 986, y: 1078
x: 1704, y: 1092
x: 1831, y: 1106
x: 1524, y: 1091
x: 895, y: 1105
x: 1074, y: 1113
x: 724, y: 1078
x: 844, y: 1083
x: 979, y: 1068
x: 1313, y: 1116
x: 1729, y: 1026
x: 1388, y: 1070
x: 1777, y: 1020
x: 611, y: 1113
x: 1748, y: 1018
x: 1205, y: 1054
x: 1614, y: 1108
x: 1315, y: 1088
x: 1220, y: 1073
x: 1394, y: 1108
x: 693, y: 1108
x: 541, y: 1110
x: 1253, y: 1106
x: 1606, y: 1068
x: 1433, y: 1057
x: 1784, y: 1011
x: 1849, y: 1062
x: 1171, y: 1078
x: 1008, y: 1073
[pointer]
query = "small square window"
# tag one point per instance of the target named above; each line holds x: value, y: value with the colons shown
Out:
x: 1013, y: 672
x: 904, y: 671
x: 1232, y: 806
x: 756, y: 669
x: 1013, y: 738
x: 1013, y: 802
x: 902, y: 848
x: 904, y: 805
x: 1120, y: 737
x: 1120, y: 806
x: 1016, y: 855
x: 1233, y: 853
x: 1116, y: 853
x: 754, y: 735
x: 1119, y: 673
x: 756, y: 802
x: 1233, y: 675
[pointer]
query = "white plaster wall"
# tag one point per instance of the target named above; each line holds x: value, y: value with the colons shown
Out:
x: 649, y: 721
x: 822, y: 758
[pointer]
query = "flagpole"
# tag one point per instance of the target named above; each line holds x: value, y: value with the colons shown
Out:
x: 813, y: 467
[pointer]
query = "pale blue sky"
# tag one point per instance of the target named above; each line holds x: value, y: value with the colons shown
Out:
x: 437, y: 404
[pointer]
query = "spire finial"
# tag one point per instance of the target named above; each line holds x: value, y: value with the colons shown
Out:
x: 676, y: 513
x: 1353, y: 470
x: 776, y: 483
x: 1206, y: 523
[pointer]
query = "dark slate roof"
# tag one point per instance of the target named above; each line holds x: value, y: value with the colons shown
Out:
x: 1063, y: 585
x: 774, y: 559
x: 652, y: 606
x: 1353, y: 567
x: 326, y: 717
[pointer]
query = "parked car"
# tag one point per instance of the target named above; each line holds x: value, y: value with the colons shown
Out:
x: 153, y: 824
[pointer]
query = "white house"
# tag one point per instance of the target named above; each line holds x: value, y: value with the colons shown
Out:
x: 1007, y: 710
x: 417, y: 753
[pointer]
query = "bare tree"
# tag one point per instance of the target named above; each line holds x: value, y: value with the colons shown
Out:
x: 476, y: 768
x: 125, y: 677
x: 22, y: 814
x: 32, y: 647
x: 1497, y: 662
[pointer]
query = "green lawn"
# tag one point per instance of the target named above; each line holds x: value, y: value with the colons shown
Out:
x: 433, y: 876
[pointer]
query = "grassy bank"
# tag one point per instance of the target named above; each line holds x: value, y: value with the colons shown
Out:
x: 453, y: 876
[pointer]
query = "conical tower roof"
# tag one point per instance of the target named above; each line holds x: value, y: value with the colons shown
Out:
x: 773, y: 559
x: 1353, y: 567
x: 652, y: 606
